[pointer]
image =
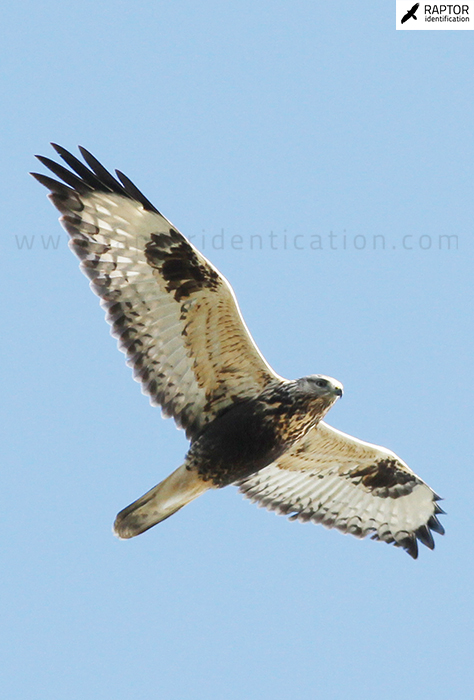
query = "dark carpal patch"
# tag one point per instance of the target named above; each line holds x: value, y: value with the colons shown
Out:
x: 385, y: 478
x: 179, y: 265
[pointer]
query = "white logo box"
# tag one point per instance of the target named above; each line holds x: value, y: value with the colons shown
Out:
x: 434, y: 16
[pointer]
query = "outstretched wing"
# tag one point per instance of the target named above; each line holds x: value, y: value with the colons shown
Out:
x: 175, y: 316
x: 332, y: 478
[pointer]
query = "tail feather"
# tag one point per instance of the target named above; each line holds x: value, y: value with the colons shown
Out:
x: 177, y: 490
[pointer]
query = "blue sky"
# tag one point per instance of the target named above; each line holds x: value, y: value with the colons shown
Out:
x: 238, y: 122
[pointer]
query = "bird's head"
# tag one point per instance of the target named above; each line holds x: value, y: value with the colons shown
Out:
x: 320, y: 386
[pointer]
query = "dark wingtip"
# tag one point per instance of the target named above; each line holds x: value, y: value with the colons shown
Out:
x: 85, y: 152
x: 435, y: 525
x: 424, y: 535
x: 410, y: 546
x: 65, y: 175
x: 134, y: 192
x: 91, y: 176
x: 53, y: 185
x: 102, y: 173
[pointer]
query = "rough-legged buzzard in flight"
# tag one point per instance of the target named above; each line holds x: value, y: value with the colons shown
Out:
x: 177, y: 320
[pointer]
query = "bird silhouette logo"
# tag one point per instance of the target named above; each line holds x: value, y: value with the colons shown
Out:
x: 411, y: 13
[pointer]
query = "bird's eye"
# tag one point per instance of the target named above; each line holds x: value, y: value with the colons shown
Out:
x: 321, y: 382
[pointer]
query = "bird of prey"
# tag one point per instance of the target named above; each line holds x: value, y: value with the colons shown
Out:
x: 411, y: 13
x: 177, y: 320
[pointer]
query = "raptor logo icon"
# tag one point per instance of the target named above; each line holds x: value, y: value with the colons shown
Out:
x: 411, y: 13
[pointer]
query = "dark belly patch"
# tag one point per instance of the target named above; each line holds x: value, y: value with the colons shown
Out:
x: 235, y: 445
